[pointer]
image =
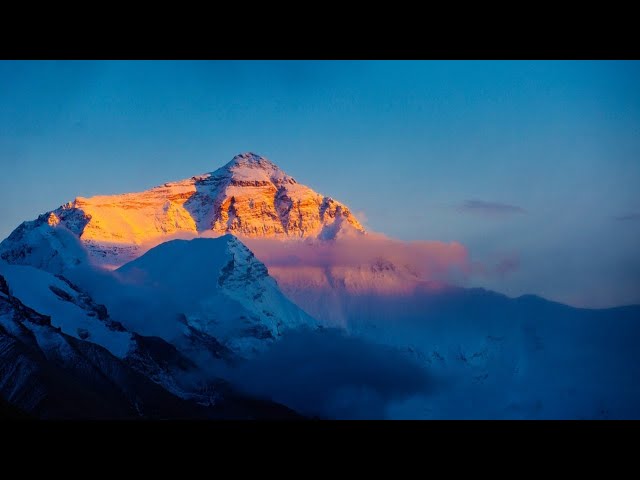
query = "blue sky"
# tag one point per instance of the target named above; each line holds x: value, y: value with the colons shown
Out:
x: 533, y: 163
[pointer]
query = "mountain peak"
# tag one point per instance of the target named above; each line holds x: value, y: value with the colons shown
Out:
x: 250, y: 196
x: 250, y: 158
x: 250, y: 167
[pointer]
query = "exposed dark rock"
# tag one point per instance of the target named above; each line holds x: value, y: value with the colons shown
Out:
x: 61, y: 294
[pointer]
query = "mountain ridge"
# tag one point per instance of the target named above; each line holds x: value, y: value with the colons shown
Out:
x: 249, y: 196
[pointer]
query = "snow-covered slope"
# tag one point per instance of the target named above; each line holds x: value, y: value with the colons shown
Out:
x: 71, y: 310
x: 74, y: 313
x: 249, y: 197
x: 219, y: 288
x: 44, y: 243
x: 50, y: 374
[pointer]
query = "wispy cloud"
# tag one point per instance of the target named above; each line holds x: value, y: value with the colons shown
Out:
x: 631, y: 216
x: 482, y: 207
x: 430, y: 260
x: 507, y: 265
x: 361, y: 216
x: 352, y: 378
x: 499, y: 266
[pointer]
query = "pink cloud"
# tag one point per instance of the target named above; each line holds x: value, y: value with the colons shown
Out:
x: 431, y: 261
x: 361, y: 216
x: 428, y: 260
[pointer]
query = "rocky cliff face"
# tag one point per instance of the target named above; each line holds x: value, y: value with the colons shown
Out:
x: 249, y: 197
x: 252, y: 197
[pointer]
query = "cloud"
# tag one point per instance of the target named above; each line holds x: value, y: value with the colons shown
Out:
x: 629, y: 217
x: 482, y: 207
x: 330, y: 374
x: 361, y: 216
x: 429, y: 260
x: 138, y: 307
x: 507, y: 265
x: 495, y: 266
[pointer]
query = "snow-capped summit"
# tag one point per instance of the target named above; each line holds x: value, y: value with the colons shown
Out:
x: 250, y: 158
x: 250, y: 197
x: 251, y: 167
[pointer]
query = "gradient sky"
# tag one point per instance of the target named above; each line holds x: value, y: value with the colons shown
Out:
x: 534, y: 166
